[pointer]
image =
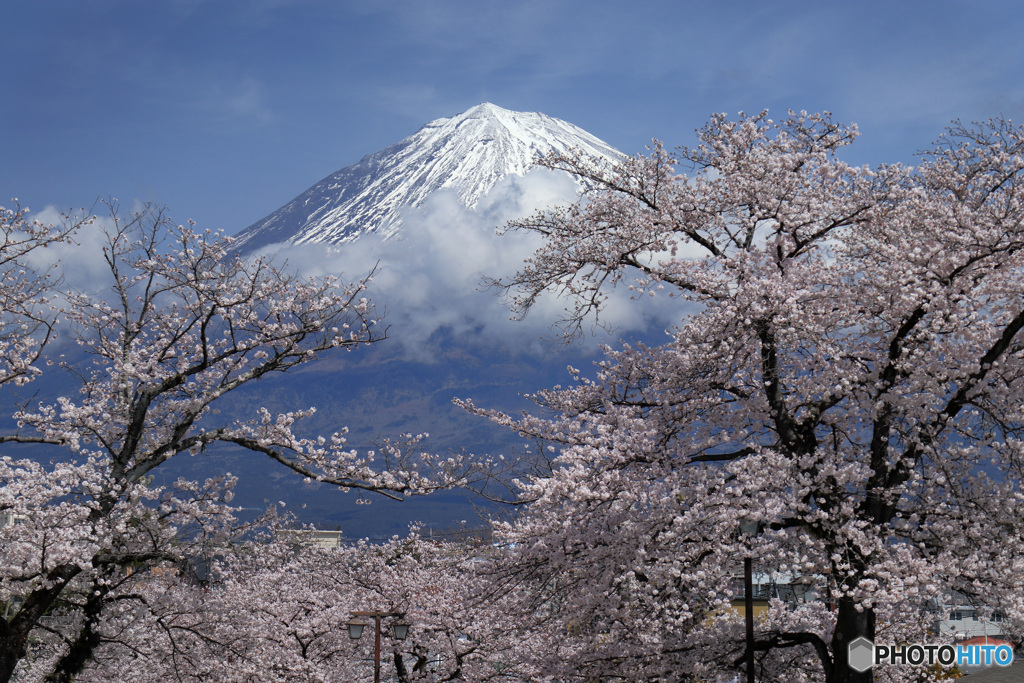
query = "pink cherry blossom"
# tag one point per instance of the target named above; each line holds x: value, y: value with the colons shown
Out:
x: 847, y: 371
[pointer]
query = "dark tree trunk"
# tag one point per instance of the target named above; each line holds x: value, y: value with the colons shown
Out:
x: 83, y: 646
x: 850, y: 625
x: 14, y: 634
x: 12, y: 649
x: 402, y: 674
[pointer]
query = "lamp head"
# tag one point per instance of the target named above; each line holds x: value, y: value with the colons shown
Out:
x: 750, y: 527
x: 355, y: 629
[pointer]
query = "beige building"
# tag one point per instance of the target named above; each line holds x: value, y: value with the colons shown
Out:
x: 321, y: 537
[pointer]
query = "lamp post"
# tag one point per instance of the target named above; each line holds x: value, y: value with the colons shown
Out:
x: 748, y: 608
x: 355, y: 630
x: 749, y: 528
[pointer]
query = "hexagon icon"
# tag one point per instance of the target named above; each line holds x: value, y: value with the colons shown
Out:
x: 862, y: 654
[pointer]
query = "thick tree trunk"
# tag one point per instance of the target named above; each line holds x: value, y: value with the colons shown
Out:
x: 14, y: 634
x: 84, y: 645
x: 850, y: 625
x: 11, y: 652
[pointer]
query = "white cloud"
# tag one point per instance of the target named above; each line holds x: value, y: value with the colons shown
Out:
x: 432, y: 278
x: 79, y: 261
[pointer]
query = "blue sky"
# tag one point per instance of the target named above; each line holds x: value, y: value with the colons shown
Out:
x: 224, y: 110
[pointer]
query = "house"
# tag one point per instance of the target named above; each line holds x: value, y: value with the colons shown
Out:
x: 790, y: 590
x: 325, y: 538
x: 7, y: 517
x: 963, y: 622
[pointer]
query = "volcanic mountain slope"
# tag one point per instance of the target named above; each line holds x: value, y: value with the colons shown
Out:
x: 468, y: 153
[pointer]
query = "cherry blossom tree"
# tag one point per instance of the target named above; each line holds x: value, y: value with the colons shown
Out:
x: 848, y: 372
x: 266, y: 611
x: 180, y: 325
x: 26, y: 325
x: 457, y: 607
x: 277, y: 609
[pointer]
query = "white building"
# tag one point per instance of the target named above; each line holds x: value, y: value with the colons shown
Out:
x: 962, y: 622
x: 321, y: 537
x: 8, y: 517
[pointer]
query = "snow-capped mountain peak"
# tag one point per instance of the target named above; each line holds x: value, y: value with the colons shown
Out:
x: 468, y: 153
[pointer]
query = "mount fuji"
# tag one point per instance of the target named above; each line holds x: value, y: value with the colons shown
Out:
x: 423, y: 210
x: 468, y: 153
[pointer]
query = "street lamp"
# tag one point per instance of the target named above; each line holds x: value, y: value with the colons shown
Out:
x: 750, y: 528
x: 355, y: 630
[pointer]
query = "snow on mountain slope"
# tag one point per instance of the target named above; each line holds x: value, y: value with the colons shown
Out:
x: 468, y: 153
